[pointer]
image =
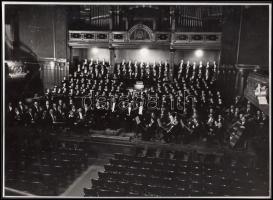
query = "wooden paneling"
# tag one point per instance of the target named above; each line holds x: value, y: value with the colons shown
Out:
x: 52, y: 73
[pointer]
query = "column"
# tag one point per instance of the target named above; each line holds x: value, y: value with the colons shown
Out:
x: 126, y: 24
x: 172, y: 51
x: 111, y: 19
x: 112, y: 59
x: 172, y: 15
x: 237, y: 80
x: 240, y: 88
x: 70, y: 59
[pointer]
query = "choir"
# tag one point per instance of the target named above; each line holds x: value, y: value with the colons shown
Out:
x: 186, y: 109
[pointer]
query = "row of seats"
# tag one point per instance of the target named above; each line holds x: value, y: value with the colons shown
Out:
x: 177, y: 167
x: 48, y: 172
x: 130, y: 175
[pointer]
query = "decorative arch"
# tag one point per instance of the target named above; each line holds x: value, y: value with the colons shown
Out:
x: 140, y: 32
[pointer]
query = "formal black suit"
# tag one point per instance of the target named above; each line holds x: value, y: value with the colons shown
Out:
x: 10, y: 116
x: 29, y: 118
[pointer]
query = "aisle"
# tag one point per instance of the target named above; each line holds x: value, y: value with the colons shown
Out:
x: 84, y: 180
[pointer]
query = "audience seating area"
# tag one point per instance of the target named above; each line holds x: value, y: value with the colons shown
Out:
x: 177, y: 174
x: 47, y: 171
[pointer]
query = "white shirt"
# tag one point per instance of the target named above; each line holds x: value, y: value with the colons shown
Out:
x: 31, y: 116
x: 113, y: 107
x: 129, y: 110
x: 53, y: 118
x: 140, y: 110
x: 80, y: 114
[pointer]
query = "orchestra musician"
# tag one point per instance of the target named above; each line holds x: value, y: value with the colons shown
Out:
x: 169, y: 126
x: 219, y: 129
x: 80, y: 119
x: 10, y: 114
x: 194, y: 127
x: 29, y: 117
x: 210, y: 127
x: 128, y: 116
x: 148, y: 127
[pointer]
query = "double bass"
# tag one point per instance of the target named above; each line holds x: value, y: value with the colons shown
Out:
x: 168, y: 129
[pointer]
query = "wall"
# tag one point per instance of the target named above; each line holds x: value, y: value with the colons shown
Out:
x: 230, y: 33
x: 147, y: 55
x: 40, y: 29
x: 254, y: 37
x: 95, y: 53
x: 61, y: 32
x: 254, y: 43
x: 98, y: 53
x: 209, y: 55
x: 79, y: 53
x: 150, y: 55
x: 35, y: 31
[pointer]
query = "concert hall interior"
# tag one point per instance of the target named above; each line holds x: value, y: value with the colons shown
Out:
x: 136, y: 100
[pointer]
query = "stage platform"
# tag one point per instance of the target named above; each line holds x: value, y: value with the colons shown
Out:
x: 128, y: 141
x: 118, y: 141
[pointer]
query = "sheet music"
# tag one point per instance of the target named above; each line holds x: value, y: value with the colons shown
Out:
x: 137, y: 120
x: 262, y: 100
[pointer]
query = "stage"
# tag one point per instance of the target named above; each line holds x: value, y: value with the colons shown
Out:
x: 103, y: 142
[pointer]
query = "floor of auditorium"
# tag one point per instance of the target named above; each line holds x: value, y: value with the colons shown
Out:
x: 107, y: 145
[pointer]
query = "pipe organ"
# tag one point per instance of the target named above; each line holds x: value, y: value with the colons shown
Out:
x: 121, y: 18
x: 195, y: 19
x: 95, y: 16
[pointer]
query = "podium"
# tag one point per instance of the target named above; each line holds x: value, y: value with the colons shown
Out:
x: 139, y: 85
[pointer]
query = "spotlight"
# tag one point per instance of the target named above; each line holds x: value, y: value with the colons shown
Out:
x: 95, y: 50
x: 199, y: 53
x: 52, y: 64
x: 144, y: 51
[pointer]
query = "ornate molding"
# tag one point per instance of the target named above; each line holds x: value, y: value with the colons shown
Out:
x: 142, y: 34
x: 162, y: 37
x: 191, y: 37
x: 119, y: 36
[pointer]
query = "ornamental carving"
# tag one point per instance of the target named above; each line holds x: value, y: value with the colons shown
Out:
x: 140, y: 32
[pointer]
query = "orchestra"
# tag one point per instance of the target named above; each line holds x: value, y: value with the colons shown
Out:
x: 188, y: 108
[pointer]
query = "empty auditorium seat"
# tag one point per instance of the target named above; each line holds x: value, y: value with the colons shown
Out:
x: 90, y: 192
x: 151, y: 176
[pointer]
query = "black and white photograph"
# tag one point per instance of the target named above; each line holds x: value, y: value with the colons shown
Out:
x: 136, y: 99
